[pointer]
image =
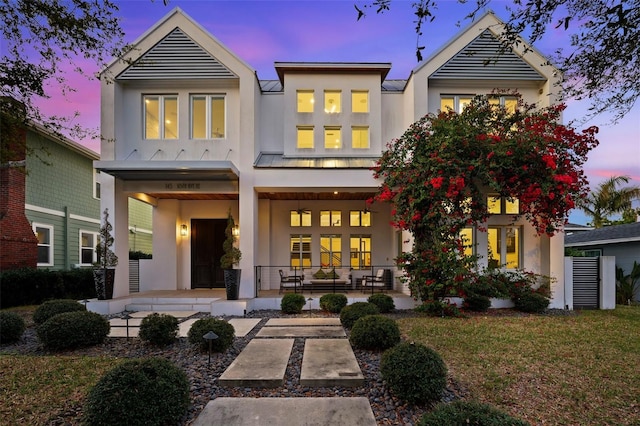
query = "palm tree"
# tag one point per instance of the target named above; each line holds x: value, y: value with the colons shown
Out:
x: 607, y: 200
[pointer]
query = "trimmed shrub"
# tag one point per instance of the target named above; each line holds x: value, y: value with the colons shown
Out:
x: 159, y: 329
x: 375, y: 332
x: 477, y: 302
x: 292, y: 303
x: 225, y: 331
x: 71, y: 330
x: 532, y: 303
x: 51, y: 308
x: 150, y: 391
x: 414, y: 373
x: 468, y: 413
x: 11, y: 327
x: 384, y: 302
x: 351, y: 313
x: 333, y: 302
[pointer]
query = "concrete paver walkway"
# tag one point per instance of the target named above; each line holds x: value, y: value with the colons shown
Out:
x: 349, y: 411
x: 310, y: 331
x: 329, y: 362
x: 262, y: 363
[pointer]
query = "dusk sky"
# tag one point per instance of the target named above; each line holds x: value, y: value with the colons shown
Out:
x: 264, y: 32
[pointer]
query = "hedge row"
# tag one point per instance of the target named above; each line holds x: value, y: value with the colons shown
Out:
x: 33, y: 286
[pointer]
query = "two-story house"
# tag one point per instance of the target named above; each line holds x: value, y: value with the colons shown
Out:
x: 190, y: 129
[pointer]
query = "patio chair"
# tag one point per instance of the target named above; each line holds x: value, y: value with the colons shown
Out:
x: 374, y: 281
x: 290, y: 282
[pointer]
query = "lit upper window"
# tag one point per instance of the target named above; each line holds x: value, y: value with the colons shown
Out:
x: 332, y: 103
x: 207, y: 117
x: 160, y: 117
x: 502, y: 205
x: 305, y: 100
x: 330, y: 218
x: 359, y: 218
x: 305, y: 137
x: 359, y: 101
x: 510, y: 103
x: 456, y: 103
x: 332, y: 136
x: 300, y: 218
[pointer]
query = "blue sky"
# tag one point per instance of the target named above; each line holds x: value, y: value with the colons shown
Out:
x: 264, y: 32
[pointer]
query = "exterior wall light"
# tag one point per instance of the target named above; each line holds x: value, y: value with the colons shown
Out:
x: 183, y: 230
x: 236, y: 231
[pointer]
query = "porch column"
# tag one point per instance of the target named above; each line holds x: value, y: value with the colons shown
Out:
x: 114, y: 198
x: 248, y: 214
x: 556, y: 270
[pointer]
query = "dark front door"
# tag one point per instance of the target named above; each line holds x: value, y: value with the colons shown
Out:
x: 207, y: 236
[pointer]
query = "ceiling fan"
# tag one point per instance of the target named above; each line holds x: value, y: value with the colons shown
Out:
x: 302, y: 210
x: 367, y: 209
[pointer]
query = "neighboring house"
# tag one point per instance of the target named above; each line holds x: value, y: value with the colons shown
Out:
x: 195, y: 133
x: 621, y: 241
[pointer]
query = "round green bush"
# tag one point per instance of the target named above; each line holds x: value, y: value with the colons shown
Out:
x: 292, y: 303
x: 351, y: 313
x: 414, y: 373
x: 159, y: 329
x: 51, y: 308
x: 532, y: 303
x: 477, y: 303
x: 333, y: 302
x: 384, y: 302
x: 468, y: 413
x: 225, y: 331
x: 375, y: 332
x: 71, y: 330
x: 11, y: 327
x: 150, y: 391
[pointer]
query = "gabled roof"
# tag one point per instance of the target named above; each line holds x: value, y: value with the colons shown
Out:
x: 629, y: 232
x: 482, y: 59
x: 176, y: 56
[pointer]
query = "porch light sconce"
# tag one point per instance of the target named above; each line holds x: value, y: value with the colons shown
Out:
x: 183, y: 230
x: 236, y: 231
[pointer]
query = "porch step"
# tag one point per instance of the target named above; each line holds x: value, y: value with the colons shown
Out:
x: 229, y: 307
x: 164, y: 307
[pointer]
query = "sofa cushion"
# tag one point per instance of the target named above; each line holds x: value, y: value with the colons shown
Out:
x: 320, y: 274
x: 332, y: 274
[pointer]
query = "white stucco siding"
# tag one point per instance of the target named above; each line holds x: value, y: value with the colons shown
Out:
x: 528, y: 90
x: 393, y: 123
x: 270, y: 136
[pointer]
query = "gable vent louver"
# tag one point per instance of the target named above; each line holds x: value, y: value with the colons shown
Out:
x: 176, y: 56
x: 481, y: 60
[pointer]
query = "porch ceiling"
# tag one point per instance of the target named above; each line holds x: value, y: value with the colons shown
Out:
x: 315, y: 195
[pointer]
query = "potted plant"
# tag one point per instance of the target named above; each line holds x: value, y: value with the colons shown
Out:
x: 104, y: 271
x: 230, y: 258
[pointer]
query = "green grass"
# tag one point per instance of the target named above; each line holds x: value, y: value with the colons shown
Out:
x: 552, y: 370
x: 37, y: 388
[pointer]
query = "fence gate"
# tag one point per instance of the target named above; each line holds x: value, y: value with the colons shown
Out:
x: 134, y: 276
x: 586, y: 282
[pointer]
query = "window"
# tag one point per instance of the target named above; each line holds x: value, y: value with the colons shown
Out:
x: 467, y: 241
x: 503, y: 205
x: 504, y: 246
x: 332, y: 103
x: 509, y: 102
x: 305, y: 100
x: 300, y: 249
x: 330, y: 250
x: 332, y: 136
x: 96, y: 184
x: 359, y: 137
x: 359, y: 218
x: 160, y: 117
x: 305, y: 137
x: 456, y: 103
x: 88, y: 242
x: 359, y: 101
x: 330, y: 218
x: 44, y: 233
x: 360, y: 251
x: 208, y: 117
x: 300, y: 218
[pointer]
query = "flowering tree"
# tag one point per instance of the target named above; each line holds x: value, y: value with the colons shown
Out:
x: 438, y: 174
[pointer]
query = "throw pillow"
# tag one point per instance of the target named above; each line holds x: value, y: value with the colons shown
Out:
x: 320, y: 274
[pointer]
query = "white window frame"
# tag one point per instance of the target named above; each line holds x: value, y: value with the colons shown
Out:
x: 305, y: 129
x: 300, y: 254
x: 364, y: 262
x: 97, y: 184
x: 502, y: 242
x: 359, y: 129
x: 456, y: 101
x: 49, y: 228
x: 331, y: 110
x: 359, y: 92
x: 298, y: 101
x: 328, y: 143
x: 161, y: 116
x: 333, y: 263
x: 208, y: 124
x: 94, y: 257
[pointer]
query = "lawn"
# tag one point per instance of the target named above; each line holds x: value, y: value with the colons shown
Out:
x: 549, y: 370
